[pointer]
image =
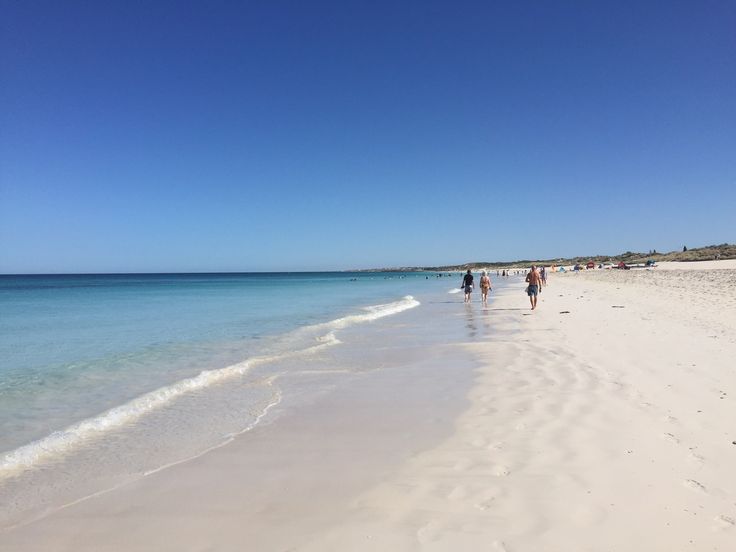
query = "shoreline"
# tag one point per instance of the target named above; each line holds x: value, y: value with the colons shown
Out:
x: 603, y: 418
x: 405, y: 405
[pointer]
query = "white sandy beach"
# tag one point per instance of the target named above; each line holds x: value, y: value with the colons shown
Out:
x: 603, y: 421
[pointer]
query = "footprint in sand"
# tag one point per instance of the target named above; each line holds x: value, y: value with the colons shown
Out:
x: 695, y: 486
x: 724, y: 522
x: 500, y: 546
x: 671, y: 437
x: 500, y: 471
x: 695, y: 457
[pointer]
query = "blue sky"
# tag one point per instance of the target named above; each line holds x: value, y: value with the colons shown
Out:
x: 206, y: 136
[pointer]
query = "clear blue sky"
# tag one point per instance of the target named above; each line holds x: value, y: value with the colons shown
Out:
x: 197, y: 136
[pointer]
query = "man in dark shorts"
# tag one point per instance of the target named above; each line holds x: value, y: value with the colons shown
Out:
x: 467, y: 285
x: 535, y: 283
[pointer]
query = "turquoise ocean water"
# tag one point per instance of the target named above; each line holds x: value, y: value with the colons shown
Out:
x: 105, y: 377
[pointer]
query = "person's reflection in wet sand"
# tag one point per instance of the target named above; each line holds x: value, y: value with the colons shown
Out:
x: 470, y: 323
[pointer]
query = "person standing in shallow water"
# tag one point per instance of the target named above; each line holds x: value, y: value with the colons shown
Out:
x: 467, y: 285
x: 485, y: 287
x: 535, y: 283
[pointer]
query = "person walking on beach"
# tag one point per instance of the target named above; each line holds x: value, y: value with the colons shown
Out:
x: 467, y: 285
x: 534, y: 282
x: 485, y: 287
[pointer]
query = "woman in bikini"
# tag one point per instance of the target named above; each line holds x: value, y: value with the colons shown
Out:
x: 485, y: 287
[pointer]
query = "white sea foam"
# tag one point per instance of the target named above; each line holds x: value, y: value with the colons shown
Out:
x: 63, y: 441
x: 455, y: 290
x: 371, y: 313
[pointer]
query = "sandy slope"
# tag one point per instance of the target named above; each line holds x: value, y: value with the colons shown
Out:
x: 610, y: 427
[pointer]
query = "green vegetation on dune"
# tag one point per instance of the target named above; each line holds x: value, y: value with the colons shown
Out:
x: 707, y: 253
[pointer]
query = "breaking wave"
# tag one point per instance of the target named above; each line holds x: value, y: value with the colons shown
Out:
x: 65, y: 440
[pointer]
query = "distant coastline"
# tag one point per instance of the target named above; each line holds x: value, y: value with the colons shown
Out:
x: 705, y: 253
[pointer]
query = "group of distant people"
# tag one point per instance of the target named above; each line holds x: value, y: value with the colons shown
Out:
x: 536, y: 278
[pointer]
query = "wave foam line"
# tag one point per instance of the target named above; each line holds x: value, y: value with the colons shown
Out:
x: 60, y: 442
x: 64, y: 440
x: 371, y: 313
x: 229, y: 439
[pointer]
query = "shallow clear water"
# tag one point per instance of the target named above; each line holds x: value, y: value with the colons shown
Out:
x: 72, y: 346
x: 107, y: 377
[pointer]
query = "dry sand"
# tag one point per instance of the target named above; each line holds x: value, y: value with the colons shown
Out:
x: 603, y: 421
x: 609, y: 424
